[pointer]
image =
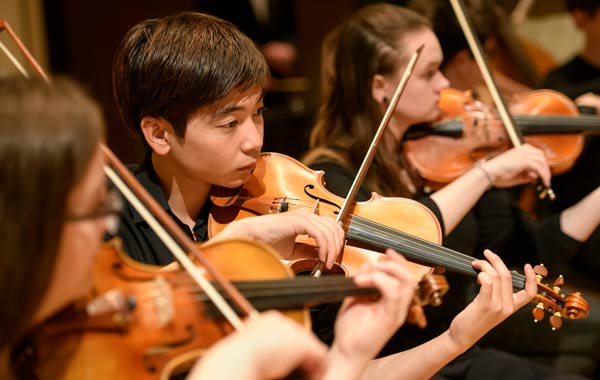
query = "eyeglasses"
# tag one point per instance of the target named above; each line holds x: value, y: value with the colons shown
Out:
x: 110, y: 210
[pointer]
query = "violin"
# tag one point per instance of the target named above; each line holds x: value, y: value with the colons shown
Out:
x: 142, y: 322
x: 268, y: 192
x: 377, y: 224
x: 146, y: 323
x: 548, y: 120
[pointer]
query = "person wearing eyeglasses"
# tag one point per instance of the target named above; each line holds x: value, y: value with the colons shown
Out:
x: 56, y: 208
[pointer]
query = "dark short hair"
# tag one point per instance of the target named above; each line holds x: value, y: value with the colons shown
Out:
x: 171, y: 67
x: 483, y: 14
x: 588, y: 6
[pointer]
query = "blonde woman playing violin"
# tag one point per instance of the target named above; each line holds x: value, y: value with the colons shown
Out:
x: 362, y: 62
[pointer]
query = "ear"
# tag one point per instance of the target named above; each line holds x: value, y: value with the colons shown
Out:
x: 461, y: 70
x: 378, y: 88
x: 157, y: 132
x: 463, y: 58
x: 580, y: 18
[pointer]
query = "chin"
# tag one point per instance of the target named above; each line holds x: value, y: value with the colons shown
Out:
x: 235, y: 183
x: 434, y: 115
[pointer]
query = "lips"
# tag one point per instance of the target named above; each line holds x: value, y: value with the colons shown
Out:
x: 250, y: 167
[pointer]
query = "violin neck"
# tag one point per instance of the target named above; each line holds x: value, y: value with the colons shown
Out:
x: 416, y: 249
x: 529, y: 125
x: 533, y: 124
x: 294, y: 293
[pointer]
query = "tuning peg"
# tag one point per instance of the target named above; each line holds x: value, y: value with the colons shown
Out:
x: 540, y: 270
x: 538, y: 312
x: 560, y: 281
x: 436, y: 299
x: 556, y: 321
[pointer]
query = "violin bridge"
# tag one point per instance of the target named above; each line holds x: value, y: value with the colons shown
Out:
x: 112, y: 301
x: 163, y: 301
x: 316, y: 209
x: 282, y: 205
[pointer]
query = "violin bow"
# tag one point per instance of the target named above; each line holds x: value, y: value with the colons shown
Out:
x: 165, y: 228
x: 362, y: 171
x: 26, y: 54
x: 514, y: 133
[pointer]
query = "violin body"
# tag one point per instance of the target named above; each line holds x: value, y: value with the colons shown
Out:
x: 439, y: 160
x: 279, y: 183
x: 157, y: 329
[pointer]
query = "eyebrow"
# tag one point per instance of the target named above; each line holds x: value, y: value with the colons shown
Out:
x: 232, y: 108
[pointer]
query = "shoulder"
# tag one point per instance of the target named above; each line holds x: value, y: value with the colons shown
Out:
x: 339, y: 179
x: 572, y: 78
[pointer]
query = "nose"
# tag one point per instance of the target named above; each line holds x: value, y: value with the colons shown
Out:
x: 253, y: 136
x: 442, y: 81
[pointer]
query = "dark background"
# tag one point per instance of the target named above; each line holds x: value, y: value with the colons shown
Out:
x: 83, y: 37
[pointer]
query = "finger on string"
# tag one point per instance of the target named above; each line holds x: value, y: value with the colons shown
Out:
x: 524, y: 296
x: 505, y: 288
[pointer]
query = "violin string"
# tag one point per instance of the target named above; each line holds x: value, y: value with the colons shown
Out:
x: 427, y: 248
x: 293, y: 283
x: 384, y: 237
x: 554, y: 120
x: 174, y: 248
x: 289, y: 292
x: 426, y: 254
x: 423, y: 249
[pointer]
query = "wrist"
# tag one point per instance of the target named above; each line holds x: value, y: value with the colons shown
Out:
x: 342, y: 365
x: 482, y: 166
x: 454, y: 345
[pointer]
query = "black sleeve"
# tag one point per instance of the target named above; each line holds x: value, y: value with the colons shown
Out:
x: 430, y: 204
x: 339, y: 180
x: 510, y: 232
x: 552, y: 243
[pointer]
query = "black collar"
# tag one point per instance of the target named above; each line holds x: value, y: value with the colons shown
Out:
x: 148, y: 178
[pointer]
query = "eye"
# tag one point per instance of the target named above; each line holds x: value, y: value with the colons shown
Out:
x: 230, y: 124
x: 429, y: 74
x: 260, y: 111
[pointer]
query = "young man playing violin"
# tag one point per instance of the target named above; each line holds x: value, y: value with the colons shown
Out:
x: 191, y: 86
x: 51, y: 141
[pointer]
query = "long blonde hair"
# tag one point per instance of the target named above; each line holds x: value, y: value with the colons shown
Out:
x: 367, y: 44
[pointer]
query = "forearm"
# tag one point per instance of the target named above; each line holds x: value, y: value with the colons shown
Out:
x: 341, y: 366
x: 216, y: 363
x: 458, y: 197
x: 581, y: 219
x: 421, y: 362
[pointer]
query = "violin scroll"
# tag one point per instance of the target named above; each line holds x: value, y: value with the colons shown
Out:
x: 572, y: 306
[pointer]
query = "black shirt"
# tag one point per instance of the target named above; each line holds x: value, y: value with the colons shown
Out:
x: 496, y: 222
x: 574, y: 78
x: 338, y: 180
x: 139, y: 240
